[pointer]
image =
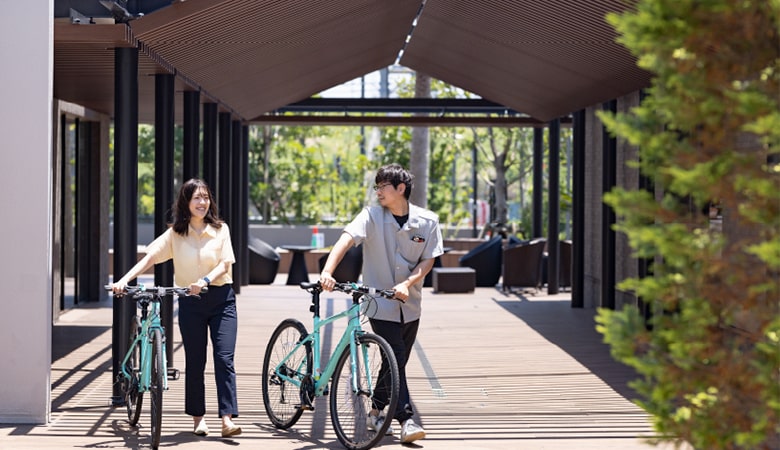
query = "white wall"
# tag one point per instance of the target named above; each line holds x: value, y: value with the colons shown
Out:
x: 26, y: 147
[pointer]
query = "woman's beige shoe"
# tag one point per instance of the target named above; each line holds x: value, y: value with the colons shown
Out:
x: 230, y: 430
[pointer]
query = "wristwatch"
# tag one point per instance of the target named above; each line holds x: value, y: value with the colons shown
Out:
x: 208, y: 282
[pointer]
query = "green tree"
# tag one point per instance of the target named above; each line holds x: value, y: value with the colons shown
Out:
x: 313, y: 174
x: 146, y: 167
x: 708, y: 131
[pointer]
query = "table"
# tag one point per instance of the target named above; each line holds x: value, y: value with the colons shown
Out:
x: 298, y: 272
x: 428, y: 281
x: 454, y: 279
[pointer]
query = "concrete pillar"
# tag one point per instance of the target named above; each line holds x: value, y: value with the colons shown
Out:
x: 26, y: 127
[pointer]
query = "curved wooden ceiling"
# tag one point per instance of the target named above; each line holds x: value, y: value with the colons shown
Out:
x: 545, y: 58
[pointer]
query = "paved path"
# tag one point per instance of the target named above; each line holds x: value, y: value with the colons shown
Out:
x: 490, y: 371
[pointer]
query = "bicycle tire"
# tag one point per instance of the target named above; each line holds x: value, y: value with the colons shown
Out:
x: 377, y: 369
x: 281, y: 398
x: 133, y: 398
x: 157, y: 386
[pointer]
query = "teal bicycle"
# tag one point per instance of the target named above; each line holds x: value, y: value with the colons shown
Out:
x: 145, y: 367
x: 361, y: 374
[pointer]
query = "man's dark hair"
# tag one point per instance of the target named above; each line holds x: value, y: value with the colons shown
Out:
x: 395, y: 174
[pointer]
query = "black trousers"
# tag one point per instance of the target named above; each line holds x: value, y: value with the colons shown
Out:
x: 214, y: 314
x: 401, y: 337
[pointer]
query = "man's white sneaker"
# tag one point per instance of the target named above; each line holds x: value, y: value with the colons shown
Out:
x: 375, y: 423
x: 411, y: 432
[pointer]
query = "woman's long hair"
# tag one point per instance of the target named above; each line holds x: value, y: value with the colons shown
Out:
x: 181, y: 209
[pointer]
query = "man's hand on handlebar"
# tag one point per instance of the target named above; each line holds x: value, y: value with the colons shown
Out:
x: 401, y: 292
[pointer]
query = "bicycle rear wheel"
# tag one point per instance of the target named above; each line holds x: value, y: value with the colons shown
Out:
x: 132, y: 396
x: 157, y: 386
x: 376, y: 384
x: 282, y: 388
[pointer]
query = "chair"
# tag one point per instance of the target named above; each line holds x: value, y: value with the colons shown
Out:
x: 485, y: 259
x: 349, y: 267
x: 511, y: 241
x: 523, y: 265
x: 263, y: 262
x: 564, y: 264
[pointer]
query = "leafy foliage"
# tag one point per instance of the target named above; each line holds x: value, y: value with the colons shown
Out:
x: 317, y: 174
x: 708, y: 132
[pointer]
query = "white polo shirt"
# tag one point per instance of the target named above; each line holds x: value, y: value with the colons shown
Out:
x: 195, y: 254
x: 391, y: 252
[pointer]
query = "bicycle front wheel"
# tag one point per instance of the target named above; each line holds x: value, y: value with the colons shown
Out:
x: 282, y: 388
x: 130, y: 386
x: 369, y: 382
x: 157, y: 386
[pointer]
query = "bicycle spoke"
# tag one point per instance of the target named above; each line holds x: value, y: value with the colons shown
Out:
x: 281, y: 389
x: 133, y: 398
x: 157, y: 386
x: 372, y: 385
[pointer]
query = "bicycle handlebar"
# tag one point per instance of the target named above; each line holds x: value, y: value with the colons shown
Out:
x: 160, y: 291
x: 350, y: 288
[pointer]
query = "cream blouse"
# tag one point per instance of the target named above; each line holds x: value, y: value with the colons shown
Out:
x: 195, y: 254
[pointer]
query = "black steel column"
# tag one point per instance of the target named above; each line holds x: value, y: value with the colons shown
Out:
x: 222, y: 190
x: 553, y: 205
x: 125, y: 195
x: 89, y: 288
x: 164, y: 124
x: 474, y: 205
x: 236, y: 210
x: 537, y: 198
x: 609, y: 179
x: 210, y: 149
x: 244, y: 220
x: 191, y: 128
x: 644, y: 265
x: 578, y: 211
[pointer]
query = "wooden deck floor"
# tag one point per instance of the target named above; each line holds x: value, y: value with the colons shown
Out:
x: 490, y: 371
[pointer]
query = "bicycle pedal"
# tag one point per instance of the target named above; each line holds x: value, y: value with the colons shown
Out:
x: 173, y: 374
x: 305, y: 407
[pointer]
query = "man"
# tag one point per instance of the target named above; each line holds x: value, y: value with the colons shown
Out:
x: 400, y: 241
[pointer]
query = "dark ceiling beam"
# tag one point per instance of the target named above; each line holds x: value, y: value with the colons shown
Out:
x: 399, y: 112
x: 399, y: 105
x: 414, y: 121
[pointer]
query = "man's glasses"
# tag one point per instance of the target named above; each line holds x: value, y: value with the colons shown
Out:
x: 379, y: 187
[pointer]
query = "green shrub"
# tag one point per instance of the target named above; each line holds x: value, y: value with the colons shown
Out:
x: 708, y: 132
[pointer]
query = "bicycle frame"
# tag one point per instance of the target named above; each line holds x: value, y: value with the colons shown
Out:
x: 150, y: 320
x: 348, y: 338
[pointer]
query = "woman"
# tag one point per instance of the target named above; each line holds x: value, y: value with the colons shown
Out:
x: 199, y: 244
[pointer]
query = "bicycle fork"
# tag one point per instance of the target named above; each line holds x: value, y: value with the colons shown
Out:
x: 358, y: 362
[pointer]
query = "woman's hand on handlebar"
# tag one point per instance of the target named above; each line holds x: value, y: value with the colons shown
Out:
x: 327, y: 281
x: 196, y: 287
x: 118, y: 288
